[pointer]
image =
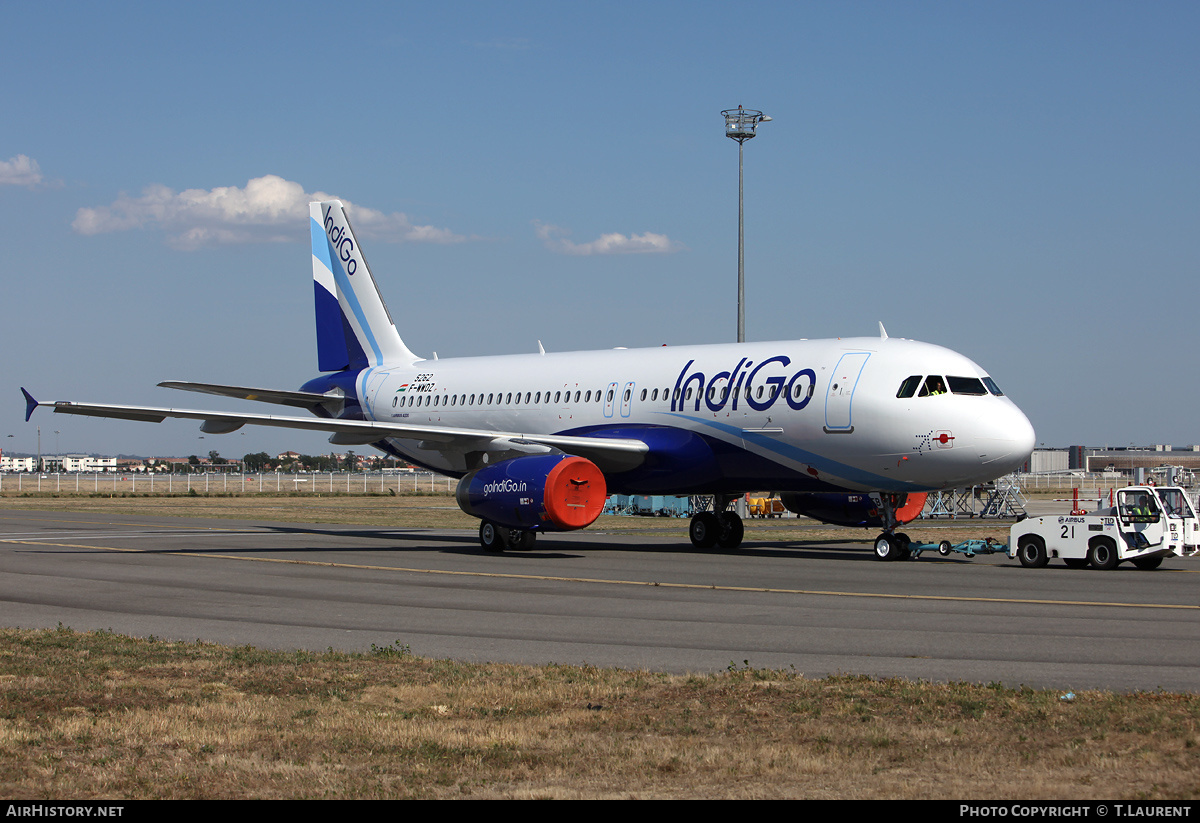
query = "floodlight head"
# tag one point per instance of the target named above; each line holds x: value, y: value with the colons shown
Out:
x: 740, y: 123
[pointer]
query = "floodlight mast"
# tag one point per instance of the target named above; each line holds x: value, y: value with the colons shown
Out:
x: 740, y: 124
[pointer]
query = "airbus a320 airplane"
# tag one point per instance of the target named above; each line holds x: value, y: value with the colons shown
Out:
x: 850, y: 431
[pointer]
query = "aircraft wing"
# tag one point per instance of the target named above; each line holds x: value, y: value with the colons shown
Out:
x: 610, y: 454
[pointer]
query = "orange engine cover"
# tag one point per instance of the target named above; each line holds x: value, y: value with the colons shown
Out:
x: 545, y: 492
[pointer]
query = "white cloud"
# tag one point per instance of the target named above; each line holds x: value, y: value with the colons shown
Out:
x: 555, y: 239
x: 268, y: 210
x: 20, y: 171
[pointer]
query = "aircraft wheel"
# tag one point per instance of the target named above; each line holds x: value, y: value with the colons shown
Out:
x: 1031, y: 551
x: 704, y: 530
x: 730, y: 530
x: 886, y: 547
x: 1148, y: 564
x: 1103, y: 555
x: 520, y: 540
x: 491, y: 536
x: 903, y: 541
x: 1076, y: 562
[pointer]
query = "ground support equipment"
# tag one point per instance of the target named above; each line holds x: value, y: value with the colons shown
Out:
x: 970, y: 548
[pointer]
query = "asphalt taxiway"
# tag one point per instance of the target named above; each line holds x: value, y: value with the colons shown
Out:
x: 588, y: 597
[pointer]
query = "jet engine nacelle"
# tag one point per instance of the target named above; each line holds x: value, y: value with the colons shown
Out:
x: 544, y: 492
x: 850, y: 509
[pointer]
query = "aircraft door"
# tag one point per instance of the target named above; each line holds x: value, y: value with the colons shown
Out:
x: 626, y: 399
x: 842, y: 383
x: 609, y: 395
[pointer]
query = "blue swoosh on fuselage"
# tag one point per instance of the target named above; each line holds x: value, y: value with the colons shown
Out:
x: 818, y: 461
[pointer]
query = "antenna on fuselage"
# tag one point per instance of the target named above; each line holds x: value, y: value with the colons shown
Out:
x: 882, y: 331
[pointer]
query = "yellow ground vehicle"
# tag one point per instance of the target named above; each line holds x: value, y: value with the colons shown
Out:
x: 765, y: 507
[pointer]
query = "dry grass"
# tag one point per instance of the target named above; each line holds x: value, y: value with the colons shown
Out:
x: 98, y: 715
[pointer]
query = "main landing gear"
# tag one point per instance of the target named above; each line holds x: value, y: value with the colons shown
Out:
x: 495, y: 538
x: 722, y: 527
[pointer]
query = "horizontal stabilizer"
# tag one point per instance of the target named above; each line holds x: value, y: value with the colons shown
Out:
x: 30, y: 404
x: 299, y: 399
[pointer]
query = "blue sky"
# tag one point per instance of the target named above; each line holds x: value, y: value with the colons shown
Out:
x: 1017, y: 181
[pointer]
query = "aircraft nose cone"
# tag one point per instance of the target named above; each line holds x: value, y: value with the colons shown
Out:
x: 1007, y: 442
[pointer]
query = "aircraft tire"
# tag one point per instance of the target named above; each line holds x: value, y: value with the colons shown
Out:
x: 1103, y: 555
x: 521, y: 540
x: 1148, y: 564
x: 1031, y: 551
x: 886, y: 547
x: 730, y: 530
x: 704, y: 530
x: 491, y: 536
x: 1076, y: 562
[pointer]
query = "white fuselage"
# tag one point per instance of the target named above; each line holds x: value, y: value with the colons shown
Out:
x: 794, y: 415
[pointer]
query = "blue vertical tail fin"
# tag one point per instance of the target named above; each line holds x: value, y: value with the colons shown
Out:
x: 354, y: 327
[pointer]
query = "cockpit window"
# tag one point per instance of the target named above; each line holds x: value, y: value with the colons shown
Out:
x: 966, y: 385
x: 992, y: 387
x: 933, y: 385
x: 909, y: 387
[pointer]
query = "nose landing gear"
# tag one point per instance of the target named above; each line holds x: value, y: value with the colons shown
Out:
x: 891, y: 544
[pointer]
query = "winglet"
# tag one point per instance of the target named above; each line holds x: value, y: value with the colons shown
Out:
x: 882, y: 331
x: 30, y: 404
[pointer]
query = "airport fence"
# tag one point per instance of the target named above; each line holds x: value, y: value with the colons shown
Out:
x: 101, y: 483
x: 1083, y: 480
